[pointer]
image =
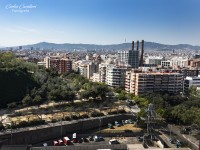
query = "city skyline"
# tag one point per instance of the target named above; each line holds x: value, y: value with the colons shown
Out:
x: 99, y: 21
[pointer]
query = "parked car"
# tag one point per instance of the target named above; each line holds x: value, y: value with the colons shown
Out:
x: 140, y: 138
x: 178, y: 143
x: 90, y: 138
x: 60, y: 142
x: 110, y: 126
x: 74, y: 140
x: 98, y: 138
x: 84, y: 140
x: 172, y: 140
x: 45, y: 144
x: 113, y: 141
x: 117, y: 124
x: 186, y: 130
x: 55, y: 143
x: 101, y: 138
x: 129, y: 121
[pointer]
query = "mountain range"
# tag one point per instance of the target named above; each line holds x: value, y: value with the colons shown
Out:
x: 125, y: 46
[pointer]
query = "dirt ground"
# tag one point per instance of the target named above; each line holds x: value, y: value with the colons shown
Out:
x: 123, y: 128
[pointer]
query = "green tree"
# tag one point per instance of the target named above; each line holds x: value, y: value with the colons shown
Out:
x: 37, y: 100
x: 27, y: 100
x: 121, y: 96
x: 193, y: 91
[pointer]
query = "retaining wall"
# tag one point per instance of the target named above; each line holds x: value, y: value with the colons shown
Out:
x: 53, y: 131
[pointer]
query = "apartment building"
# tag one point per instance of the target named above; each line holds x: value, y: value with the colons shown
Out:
x: 96, y: 77
x: 140, y: 83
x: 91, y: 69
x: 102, y: 72
x: 86, y: 68
x: 194, y: 63
x: 115, y: 77
x: 187, y: 72
x: 47, y: 62
x: 61, y: 65
x: 65, y: 65
x: 179, y: 62
x: 191, y: 81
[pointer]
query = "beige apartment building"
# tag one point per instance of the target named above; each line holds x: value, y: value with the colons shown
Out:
x: 140, y: 83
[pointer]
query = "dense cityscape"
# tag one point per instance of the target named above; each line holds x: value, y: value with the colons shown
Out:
x: 99, y: 75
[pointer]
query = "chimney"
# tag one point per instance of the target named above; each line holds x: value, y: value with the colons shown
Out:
x: 142, y: 53
x: 137, y: 45
x: 132, y: 45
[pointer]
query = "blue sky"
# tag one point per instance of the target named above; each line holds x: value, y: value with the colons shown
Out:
x: 99, y: 21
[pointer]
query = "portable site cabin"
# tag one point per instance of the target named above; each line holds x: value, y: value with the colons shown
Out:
x: 74, y: 138
x: 66, y: 140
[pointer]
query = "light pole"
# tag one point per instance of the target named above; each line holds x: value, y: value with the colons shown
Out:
x: 10, y: 124
x: 61, y: 128
x: 99, y: 125
x: 11, y: 133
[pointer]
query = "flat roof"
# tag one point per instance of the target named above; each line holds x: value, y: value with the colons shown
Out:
x: 159, y: 73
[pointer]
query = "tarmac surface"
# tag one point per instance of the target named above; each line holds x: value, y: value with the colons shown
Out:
x: 121, y: 140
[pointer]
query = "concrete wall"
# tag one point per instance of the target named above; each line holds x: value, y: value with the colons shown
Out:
x: 53, y: 131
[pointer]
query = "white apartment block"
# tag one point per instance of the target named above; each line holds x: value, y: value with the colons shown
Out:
x: 154, y: 60
x: 191, y: 81
x: 83, y: 70
x: 179, y: 62
x: 47, y: 62
x: 115, y: 77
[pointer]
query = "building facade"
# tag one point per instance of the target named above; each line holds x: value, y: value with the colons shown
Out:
x: 115, y: 77
x: 166, y: 64
x: 62, y: 65
x: 141, y: 83
x: 191, y: 81
x: 102, y: 72
x: 129, y: 57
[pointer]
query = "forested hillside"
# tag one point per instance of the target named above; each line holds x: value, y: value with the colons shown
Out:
x: 15, y: 83
x: 25, y: 84
x: 16, y: 78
